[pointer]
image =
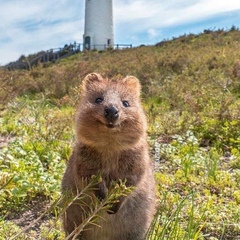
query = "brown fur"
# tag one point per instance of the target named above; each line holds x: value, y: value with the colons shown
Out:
x: 116, y: 150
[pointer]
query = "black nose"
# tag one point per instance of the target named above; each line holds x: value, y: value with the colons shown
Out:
x: 111, y: 114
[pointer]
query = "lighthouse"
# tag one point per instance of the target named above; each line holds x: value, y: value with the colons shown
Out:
x: 98, y: 28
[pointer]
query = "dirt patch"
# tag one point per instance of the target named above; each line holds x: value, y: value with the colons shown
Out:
x: 31, y: 212
x: 4, y: 140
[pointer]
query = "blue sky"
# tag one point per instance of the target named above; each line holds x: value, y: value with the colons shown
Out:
x: 28, y: 26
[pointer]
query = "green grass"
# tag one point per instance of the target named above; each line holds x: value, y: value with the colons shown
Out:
x: 33, y: 162
x: 191, y: 95
x: 198, y: 191
x: 198, y: 187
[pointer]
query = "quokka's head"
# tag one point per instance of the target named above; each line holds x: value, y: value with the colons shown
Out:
x: 110, y: 114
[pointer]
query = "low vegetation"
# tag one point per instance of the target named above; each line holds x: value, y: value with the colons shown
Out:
x: 191, y: 94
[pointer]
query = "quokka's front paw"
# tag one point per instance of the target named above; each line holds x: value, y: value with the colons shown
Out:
x: 101, y: 191
x: 114, y: 208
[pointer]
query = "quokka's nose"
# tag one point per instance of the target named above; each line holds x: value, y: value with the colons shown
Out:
x: 111, y: 114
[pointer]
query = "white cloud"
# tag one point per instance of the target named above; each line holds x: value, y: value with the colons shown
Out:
x: 153, y: 33
x: 153, y: 17
x: 165, y: 13
x: 30, y: 26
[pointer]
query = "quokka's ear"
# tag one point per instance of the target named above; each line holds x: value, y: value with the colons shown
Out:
x: 90, y: 80
x: 132, y: 83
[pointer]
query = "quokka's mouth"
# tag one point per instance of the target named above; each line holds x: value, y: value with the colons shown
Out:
x: 109, y: 124
x: 112, y: 125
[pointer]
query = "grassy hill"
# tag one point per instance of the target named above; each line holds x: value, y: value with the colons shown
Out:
x: 191, y: 94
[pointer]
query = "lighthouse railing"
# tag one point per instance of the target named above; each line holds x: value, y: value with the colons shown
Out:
x: 106, y: 46
x: 122, y: 46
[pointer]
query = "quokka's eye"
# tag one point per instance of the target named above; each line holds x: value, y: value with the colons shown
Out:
x: 98, y: 100
x: 125, y: 103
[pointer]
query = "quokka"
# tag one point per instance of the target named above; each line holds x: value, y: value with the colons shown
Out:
x: 111, y: 141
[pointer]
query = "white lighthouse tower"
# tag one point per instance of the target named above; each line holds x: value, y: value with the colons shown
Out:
x: 98, y: 29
